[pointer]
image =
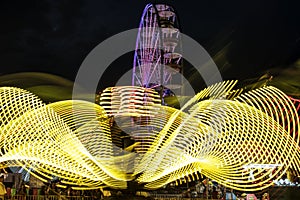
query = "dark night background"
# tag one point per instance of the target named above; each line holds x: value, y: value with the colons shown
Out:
x: 245, y: 38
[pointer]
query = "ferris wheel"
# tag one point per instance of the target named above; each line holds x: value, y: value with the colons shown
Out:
x: 158, y: 59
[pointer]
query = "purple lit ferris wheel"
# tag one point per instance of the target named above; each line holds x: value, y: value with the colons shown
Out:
x: 158, y: 58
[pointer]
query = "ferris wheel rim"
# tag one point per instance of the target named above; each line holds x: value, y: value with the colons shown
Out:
x: 153, y: 27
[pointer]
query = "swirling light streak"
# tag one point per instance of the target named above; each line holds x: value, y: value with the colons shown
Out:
x: 217, y: 133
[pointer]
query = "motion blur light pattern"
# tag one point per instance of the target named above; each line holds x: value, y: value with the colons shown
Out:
x: 129, y: 100
x: 217, y: 133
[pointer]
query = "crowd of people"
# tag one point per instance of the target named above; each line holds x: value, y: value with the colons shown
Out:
x: 50, y: 192
x: 200, y: 189
x: 212, y: 190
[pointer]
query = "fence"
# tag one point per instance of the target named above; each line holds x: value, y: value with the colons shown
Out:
x: 48, y: 197
x: 63, y: 197
x: 177, y: 197
x: 181, y: 198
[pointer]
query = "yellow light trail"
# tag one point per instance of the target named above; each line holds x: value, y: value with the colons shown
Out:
x: 218, y: 132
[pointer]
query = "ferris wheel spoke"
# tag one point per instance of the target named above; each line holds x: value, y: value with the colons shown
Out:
x: 167, y: 78
x: 157, y: 64
x: 137, y: 78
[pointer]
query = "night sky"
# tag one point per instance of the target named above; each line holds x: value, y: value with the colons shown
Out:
x: 245, y: 38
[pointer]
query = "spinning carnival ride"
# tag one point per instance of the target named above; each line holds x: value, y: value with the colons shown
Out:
x: 220, y: 132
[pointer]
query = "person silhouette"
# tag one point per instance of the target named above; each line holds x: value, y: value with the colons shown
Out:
x: 2, y: 188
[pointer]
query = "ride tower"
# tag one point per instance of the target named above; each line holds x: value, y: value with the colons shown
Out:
x: 157, y: 74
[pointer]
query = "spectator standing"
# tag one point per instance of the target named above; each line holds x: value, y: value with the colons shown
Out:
x: 214, y: 193
x: 22, y: 192
x: 2, y: 188
x: 200, y: 189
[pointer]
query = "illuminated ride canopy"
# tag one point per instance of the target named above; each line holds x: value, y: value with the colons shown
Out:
x: 225, y: 134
